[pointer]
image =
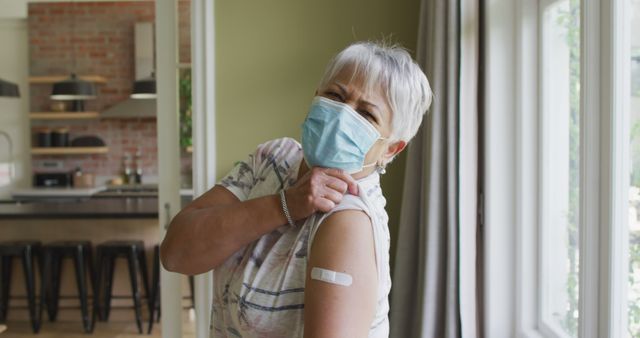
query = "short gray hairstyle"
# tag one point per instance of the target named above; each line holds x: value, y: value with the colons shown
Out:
x: 405, y: 85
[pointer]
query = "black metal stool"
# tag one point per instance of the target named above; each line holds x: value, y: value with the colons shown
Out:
x: 28, y: 251
x: 154, y: 298
x: 54, y: 253
x: 107, y: 252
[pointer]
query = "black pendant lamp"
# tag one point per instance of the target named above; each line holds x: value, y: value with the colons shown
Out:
x: 73, y: 88
x: 145, y: 88
x: 9, y: 89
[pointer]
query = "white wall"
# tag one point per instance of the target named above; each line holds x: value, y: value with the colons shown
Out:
x: 14, y: 112
x: 13, y: 9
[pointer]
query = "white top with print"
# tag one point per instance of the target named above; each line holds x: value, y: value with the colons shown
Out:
x: 259, y: 290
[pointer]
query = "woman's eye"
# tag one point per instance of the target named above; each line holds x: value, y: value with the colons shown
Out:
x: 368, y: 116
x: 335, y: 96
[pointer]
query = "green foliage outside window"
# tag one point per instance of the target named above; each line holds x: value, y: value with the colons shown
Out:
x: 634, y: 236
x: 185, y: 108
x: 570, y: 19
x: 635, y: 72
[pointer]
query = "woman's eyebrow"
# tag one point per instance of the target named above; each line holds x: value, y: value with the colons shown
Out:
x: 370, y: 104
x: 342, y: 87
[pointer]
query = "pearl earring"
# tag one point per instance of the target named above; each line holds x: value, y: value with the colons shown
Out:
x: 381, y: 169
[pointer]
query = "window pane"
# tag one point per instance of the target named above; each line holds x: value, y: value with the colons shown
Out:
x: 634, y: 190
x: 560, y: 166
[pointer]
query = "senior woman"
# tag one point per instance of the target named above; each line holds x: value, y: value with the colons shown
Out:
x: 297, y: 233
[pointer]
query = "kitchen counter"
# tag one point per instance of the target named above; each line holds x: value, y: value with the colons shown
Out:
x: 55, y: 192
x: 104, y: 207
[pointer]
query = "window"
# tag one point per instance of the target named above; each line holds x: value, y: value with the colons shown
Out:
x: 633, y: 290
x: 560, y: 166
x: 563, y: 184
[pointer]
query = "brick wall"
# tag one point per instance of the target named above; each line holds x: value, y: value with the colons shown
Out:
x: 97, y: 38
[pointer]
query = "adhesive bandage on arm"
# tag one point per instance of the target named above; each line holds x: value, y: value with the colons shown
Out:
x: 332, y: 277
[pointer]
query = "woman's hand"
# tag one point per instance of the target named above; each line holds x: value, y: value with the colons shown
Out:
x: 320, y: 189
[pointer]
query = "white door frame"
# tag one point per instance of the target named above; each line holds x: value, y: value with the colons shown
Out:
x: 204, y: 154
x: 168, y: 155
x: 204, y: 133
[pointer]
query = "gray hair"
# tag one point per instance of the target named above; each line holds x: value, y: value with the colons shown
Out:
x: 406, y: 87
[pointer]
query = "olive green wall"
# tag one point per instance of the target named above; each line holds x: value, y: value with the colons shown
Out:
x: 270, y: 56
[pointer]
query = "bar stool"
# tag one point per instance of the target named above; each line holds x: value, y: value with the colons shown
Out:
x: 54, y: 253
x: 154, y: 298
x: 28, y: 251
x: 107, y: 253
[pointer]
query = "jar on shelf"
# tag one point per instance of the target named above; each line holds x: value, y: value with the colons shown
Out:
x: 43, y: 137
x: 60, y: 137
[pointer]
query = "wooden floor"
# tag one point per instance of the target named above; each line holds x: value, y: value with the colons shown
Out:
x: 73, y: 329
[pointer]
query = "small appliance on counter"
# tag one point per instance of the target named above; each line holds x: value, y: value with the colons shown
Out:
x: 52, y: 179
x: 58, y: 184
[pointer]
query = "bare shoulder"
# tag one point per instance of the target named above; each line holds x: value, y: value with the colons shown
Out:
x: 344, y: 243
x: 348, y: 232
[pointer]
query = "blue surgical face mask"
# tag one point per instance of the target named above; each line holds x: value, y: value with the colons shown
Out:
x: 336, y: 136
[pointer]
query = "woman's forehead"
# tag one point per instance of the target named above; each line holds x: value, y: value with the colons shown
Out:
x: 358, y: 84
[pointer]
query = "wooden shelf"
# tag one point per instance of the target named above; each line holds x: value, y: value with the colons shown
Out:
x: 80, y: 115
x: 58, y: 78
x: 69, y: 150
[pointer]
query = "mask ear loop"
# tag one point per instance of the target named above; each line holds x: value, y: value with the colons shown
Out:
x: 381, y: 169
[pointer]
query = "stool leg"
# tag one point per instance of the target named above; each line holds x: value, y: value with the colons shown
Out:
x: 56, y: 266
x: 142, y: 258
x: 45, y: 293
x: 6, y: 287
x: 97, y: 283
x: 82, y: 287
x: 40, y: 253
x: 134, y: 269
x: 192, y: 289
x: 92, y: 277
x: 90, y: 265
x: 27, y: 264
x: 153, y: 298
x: 110, y: 261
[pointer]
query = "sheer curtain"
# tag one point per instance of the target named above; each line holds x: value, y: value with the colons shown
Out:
x: 434, y: 290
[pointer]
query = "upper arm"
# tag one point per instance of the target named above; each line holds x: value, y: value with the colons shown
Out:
x: 343, y: 243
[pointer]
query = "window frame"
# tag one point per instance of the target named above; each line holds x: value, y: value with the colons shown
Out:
x: 604, y: 201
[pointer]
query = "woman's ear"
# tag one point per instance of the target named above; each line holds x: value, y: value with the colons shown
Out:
x: 394, y: 149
